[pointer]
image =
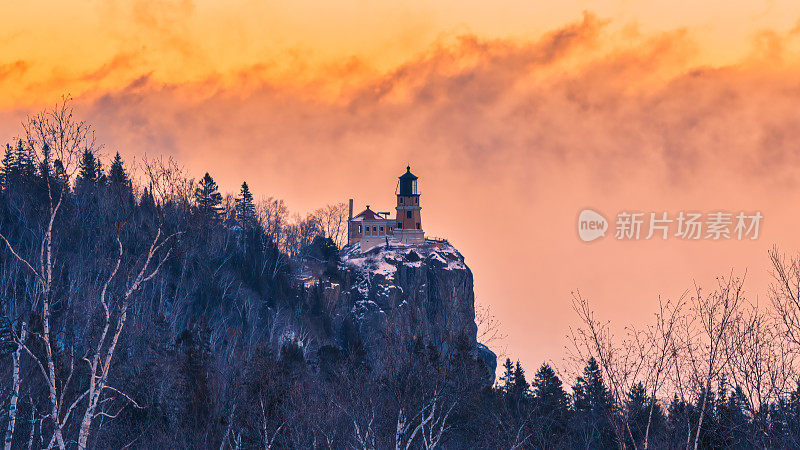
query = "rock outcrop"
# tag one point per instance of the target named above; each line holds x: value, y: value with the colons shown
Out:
x: 392, y: 296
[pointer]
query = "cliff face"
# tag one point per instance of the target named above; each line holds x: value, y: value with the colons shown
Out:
x: 398, y: 295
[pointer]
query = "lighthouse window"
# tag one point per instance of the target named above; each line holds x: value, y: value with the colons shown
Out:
x: 408, y: 214
x: 381, y: 229
x: 400, y: 225
x: 401, y: 199
x: 418, y: 225
x: 416, y: 199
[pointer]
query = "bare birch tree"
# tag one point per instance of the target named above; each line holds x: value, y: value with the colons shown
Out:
x: 761, y: 364
x: 15, y: 384
x: 703, y: 338
x: 430, y: 423
x: 272, y: 214
x: 332, y: 222
x: 64, y: 138
x: 100, y: 360
x: 785, y: 294
x: 641, y: 356
x: 56, y: 134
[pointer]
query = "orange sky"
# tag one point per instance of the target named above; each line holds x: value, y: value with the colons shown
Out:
x: 515, y: 114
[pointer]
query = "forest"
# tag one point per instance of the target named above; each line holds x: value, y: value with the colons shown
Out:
x: 144, y: 309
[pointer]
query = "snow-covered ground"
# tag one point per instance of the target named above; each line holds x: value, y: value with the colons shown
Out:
x: 384, y: 260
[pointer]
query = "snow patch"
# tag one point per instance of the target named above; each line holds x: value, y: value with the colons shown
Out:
x: 385, y: 260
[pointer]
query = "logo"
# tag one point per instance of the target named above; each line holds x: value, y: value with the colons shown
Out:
x: 685, y: 225
x: 591, y: 225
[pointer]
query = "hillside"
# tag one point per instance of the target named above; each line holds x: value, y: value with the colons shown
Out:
x: 157, y: 314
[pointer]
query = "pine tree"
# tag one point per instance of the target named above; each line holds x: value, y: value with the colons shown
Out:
x: 44, y: 167
x: 792, y: 415
x: 245, y: 208
x: 507, y: 379
x: 24, y: 166
x: 46, y: 179
x: 592, y: 405
x: 548, y: 390
x: 7, y: 171
x: 147, y: 202
x: 551, y: 402
x: 208, y: 198
x: 709, y: 432
x: 60, y: 172
x: 590, y: 390
x: 679, y: 413
x: 22, y: 159
x: 116, y: 174
x: 638, y: 408
x: 87, y: 172
x: 101, y: 174
x: 733, y: 423
x: 521, y: 385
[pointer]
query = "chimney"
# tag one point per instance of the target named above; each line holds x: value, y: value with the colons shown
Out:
x: 350, y: 216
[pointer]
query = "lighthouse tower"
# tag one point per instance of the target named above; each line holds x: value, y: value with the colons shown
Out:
x: 408, y: 224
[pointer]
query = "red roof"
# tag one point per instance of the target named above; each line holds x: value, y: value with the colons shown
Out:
x: 367, y: 214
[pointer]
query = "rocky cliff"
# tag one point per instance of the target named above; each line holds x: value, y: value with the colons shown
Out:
x: 392, y: 296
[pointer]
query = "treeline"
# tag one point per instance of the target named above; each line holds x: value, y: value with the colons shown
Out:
x: 142, y: 309
x: 146, y: 310
x: 546, y: 416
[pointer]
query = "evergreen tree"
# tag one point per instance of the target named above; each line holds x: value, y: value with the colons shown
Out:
x: 147, y: 201
x: 733, y: 423
x: 636, y: 410
x: 638, y: 414
x: 710, y: 436
x: 245, y: 209
x: 119, y: 184
x: 590, y: 390
x: 679, y: 413
x: 548, y: 390
x: 208, y: 198
x: 24, y: 162
x: 551, y: 402
x: 101, y: 178
x: 520, y: 386
x: 507, y: 379
x: 593, y: 408
x: 46, y: 179
x: 87, y: 172
x: 60, y: 173
x: 793, y: 413
x: 6, y: 172
x: 116, y: 174
x: 44, y: 167
x: 19, y: 166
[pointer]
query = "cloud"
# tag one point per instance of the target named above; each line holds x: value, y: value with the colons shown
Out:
x: 120, y: 62
x: 511, y: 138
x: 574, y: 96
x: 15, y: 69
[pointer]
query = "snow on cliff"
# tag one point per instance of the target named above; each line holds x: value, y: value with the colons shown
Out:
x: 384, y: 260
x: 391, y: 296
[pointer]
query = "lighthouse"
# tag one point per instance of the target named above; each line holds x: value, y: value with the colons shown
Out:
x: 372, y: 229
x: 408, y: 222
